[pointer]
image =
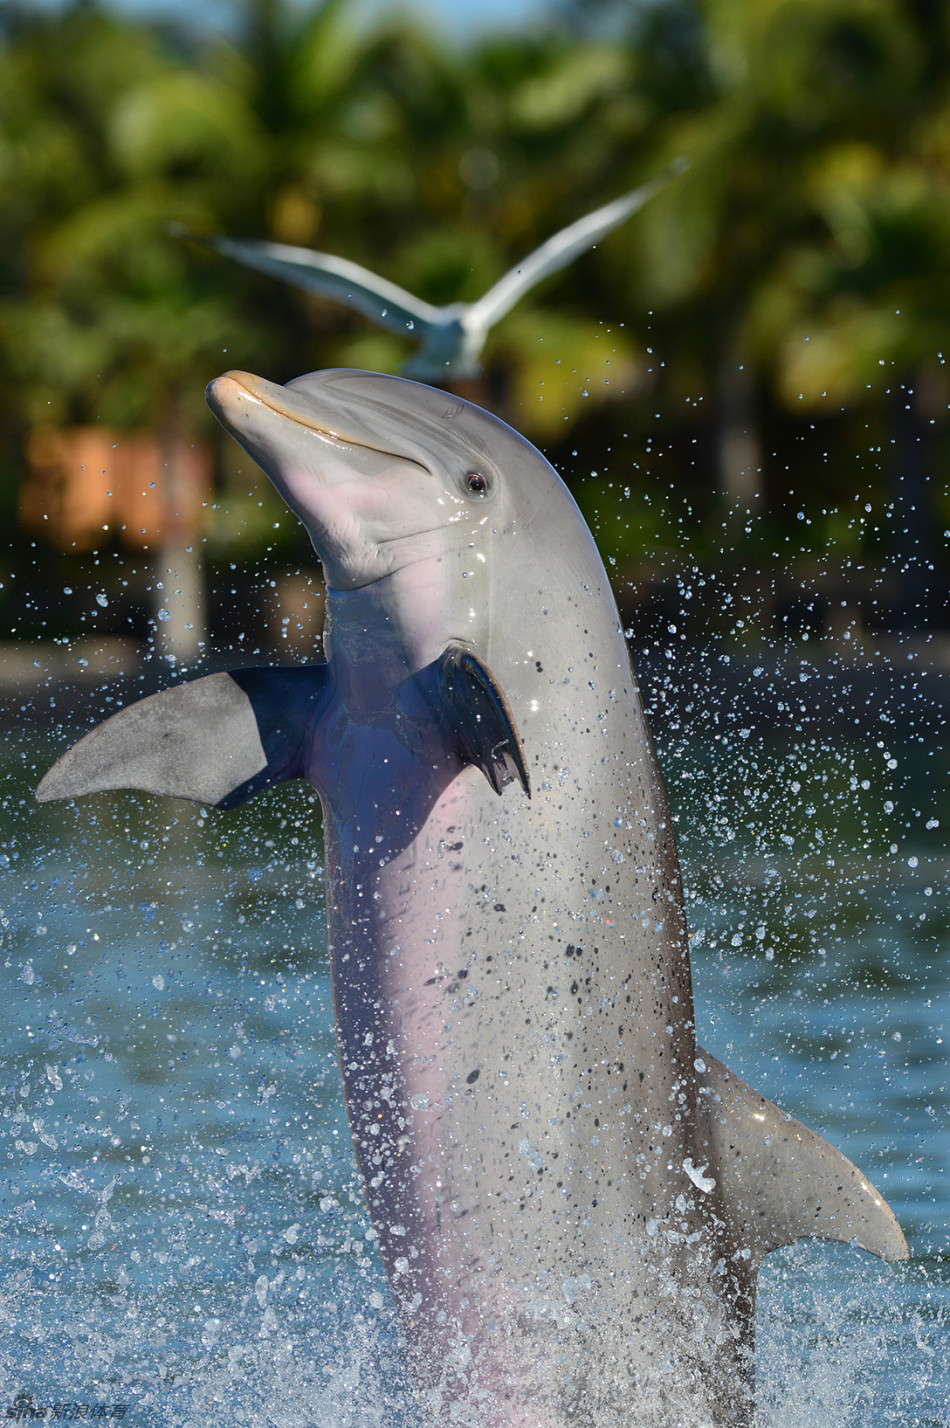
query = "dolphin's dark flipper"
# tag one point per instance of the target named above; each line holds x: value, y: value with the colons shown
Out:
x: 777, y: 1181
x: 217, y: 740
x: 478, y: 713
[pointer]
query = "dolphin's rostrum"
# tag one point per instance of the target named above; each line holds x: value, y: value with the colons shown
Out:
x: 572, y: 1198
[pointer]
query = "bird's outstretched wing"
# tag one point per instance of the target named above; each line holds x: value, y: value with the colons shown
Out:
x: 381, y: 301
x: 562, y: 248
x: 450, y: 338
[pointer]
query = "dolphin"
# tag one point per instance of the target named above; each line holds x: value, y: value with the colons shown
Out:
x: 572, y: 1198
x: 450, y: 337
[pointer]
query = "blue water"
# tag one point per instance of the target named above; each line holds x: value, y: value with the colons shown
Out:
x: 184, y: 1233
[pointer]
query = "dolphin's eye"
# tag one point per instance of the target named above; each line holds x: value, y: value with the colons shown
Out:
x: 476, y: 483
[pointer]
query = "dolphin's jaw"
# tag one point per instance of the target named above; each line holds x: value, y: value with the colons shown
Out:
x: 370, y: 509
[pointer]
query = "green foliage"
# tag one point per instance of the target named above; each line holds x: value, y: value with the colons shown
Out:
x: 805, y: 247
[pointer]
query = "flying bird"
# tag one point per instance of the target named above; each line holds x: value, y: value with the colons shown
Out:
x: 451, y: 337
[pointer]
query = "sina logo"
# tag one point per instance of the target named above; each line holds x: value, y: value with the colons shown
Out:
x: 23, y: 1408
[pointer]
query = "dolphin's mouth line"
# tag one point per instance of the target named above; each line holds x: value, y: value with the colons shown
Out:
x: 337, y: 592
x: 321, y: 429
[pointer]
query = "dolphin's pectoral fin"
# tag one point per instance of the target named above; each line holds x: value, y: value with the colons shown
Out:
x: 286, y: 704
x: 217, y: 740
x: 777, y: 1181
x: 478, y: 713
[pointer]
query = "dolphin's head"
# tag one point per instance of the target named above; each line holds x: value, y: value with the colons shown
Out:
x: 384, y: 473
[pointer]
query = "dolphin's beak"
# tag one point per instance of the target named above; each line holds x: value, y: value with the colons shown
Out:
x: 238, y: 399
x: 232, y: 396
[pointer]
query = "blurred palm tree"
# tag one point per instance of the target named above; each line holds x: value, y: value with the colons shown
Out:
x: 101, y: 318
x: 105, y: 136
x: 816, y: 206
x: 808, y: 240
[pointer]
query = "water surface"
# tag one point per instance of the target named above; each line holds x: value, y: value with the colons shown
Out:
x: 183, y: 1230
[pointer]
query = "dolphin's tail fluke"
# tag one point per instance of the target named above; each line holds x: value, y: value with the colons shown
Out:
x: 776, y: 1181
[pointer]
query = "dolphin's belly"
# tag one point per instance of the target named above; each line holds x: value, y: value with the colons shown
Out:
x: 514, y: 1015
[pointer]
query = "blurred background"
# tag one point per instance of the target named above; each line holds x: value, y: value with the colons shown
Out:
x: 744, y: 384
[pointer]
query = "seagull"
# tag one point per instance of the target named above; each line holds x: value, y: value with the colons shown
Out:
x: 451, y: 337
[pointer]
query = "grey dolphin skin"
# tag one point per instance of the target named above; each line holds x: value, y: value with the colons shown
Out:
x: 572, y: 1198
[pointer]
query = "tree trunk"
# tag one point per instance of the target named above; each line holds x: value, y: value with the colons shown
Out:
x: 739, y: 451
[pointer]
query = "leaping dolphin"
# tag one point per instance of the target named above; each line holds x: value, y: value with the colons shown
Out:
x: 572, y: 1198
x: 451, y: 337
